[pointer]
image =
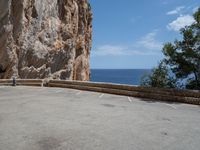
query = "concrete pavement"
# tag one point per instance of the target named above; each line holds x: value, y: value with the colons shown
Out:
x: 36, y: 118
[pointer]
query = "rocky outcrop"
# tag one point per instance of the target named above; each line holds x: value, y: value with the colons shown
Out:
x: 45, y: 39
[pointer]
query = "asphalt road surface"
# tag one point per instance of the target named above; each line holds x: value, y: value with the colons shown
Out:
x: 35, y: 118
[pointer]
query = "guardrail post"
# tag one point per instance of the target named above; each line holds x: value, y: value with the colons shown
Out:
x: 14, y: 81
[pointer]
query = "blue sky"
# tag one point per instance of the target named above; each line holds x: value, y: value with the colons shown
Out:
x: 130, y: 33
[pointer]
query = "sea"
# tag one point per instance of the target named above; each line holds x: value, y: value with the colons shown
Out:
x: 119, y: 76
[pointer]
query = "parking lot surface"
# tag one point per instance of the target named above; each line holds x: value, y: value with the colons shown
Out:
x: 39, y: 118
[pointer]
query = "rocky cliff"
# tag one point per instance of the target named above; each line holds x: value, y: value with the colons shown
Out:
x: 45, y: 39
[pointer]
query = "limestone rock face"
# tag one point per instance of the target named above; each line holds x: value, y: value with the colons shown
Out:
x: 45, y: 39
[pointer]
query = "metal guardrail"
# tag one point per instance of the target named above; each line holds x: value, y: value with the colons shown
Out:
x: 159, y: 94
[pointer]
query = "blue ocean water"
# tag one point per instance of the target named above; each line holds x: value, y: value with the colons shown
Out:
x: 121, y: 76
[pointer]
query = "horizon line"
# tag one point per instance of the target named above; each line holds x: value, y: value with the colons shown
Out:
x: 121, y: 68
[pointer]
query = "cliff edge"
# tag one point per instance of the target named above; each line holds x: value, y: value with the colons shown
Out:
x: 45, y: 39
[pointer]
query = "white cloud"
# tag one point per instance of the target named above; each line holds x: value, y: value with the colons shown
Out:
x: 149, y: 41
x: 146, y: 46
x: 109, y: 50
x: 181, y: 22
x: 177, y: 10
x: 116, y: 50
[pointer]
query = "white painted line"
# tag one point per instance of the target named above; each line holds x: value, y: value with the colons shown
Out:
x: 3, y: 86
x: 171, y: 106
x: 42, y: 89
x: 101, y: 95
x: 79, y: 93
x: 58, y: 91
x: 129, y: 99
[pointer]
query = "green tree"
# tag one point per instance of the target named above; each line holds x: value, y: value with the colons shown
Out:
x: 184, y: 56
x: 160, y: 77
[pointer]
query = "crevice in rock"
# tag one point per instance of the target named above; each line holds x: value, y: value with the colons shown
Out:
x: 34, y: 13
x: 61, y: 9
x: 16, y: 17
x: 2, y: 70
x: 78, y: 52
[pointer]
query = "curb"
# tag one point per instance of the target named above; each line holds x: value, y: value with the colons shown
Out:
x: 157, y: 94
